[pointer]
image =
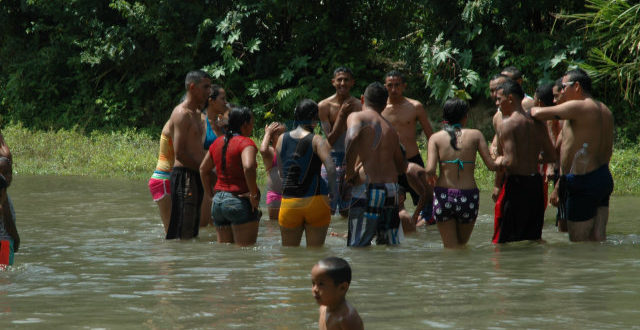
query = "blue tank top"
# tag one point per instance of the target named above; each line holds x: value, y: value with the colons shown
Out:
x: 211, y: 135
x: 300, y: 168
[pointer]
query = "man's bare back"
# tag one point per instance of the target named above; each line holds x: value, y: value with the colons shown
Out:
x: 522, y: 139
x: 371, y: 138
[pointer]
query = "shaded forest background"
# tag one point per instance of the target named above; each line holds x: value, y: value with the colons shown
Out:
x: 112, y: 65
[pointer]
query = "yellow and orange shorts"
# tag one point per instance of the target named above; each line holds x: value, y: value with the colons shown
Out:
x: 314, y: 211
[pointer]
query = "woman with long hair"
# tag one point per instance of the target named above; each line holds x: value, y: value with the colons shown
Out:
x: 233, y: 157
x: 455, y: 195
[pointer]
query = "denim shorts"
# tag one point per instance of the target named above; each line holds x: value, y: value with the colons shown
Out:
x: 228, y: 209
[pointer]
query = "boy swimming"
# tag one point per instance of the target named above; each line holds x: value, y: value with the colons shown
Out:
x: 330, y: 279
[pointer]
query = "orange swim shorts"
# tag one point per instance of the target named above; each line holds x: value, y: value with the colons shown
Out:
x: 295, y: 212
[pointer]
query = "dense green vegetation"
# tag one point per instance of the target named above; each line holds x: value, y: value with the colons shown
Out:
x: 133, y: 154
x: 79, y: 75
x: 105, y: 65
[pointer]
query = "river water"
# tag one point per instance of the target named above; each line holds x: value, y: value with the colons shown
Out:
x: 93, y: 256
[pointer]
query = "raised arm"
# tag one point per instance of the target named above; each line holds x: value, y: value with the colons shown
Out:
x: 567, y: 110
x: 334, y: 132
x: 266, y: 150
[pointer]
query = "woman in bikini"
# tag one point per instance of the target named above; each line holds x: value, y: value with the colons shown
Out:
x: 274, y: 182
x: 215, y: 117
x: 455, y: 195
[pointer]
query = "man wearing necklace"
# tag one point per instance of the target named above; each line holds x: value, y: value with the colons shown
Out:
x: 186, y: 187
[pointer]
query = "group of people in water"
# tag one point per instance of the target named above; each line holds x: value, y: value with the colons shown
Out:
x: 369, y: 159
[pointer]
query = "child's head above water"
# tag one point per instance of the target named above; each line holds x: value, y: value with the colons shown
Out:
x: 330, y: 279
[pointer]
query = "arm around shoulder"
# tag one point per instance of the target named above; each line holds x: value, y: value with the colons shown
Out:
x: 567, y: 110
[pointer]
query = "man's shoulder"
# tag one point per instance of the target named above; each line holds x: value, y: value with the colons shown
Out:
x: 326, y: 103
x: 414, y: 102
x: 179, y: 110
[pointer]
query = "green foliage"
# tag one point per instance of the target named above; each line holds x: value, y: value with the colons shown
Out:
x: 120, y: 64
x: 445, y: 68
x: 130, y: 153
x: 613, y: 28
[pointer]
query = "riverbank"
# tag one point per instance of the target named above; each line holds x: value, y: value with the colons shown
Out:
x: 132, y: 154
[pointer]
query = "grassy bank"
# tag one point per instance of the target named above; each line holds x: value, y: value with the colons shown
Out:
x: 132, y: 154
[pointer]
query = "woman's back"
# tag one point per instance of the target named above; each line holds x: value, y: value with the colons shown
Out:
x: 300, y: 167
x: 231, y: 176
x: 456, y: 166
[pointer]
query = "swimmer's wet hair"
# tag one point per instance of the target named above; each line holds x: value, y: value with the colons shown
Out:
x: 375, y: 96
x: 452, y: 112
x: 194, y: 77
x: 337, y: 268
x: 306, y: 112
x: 582, y: 77
x: 342, y: 69
x: 511, y: 87
x: 515, y: 72
x: 545, y: 94
x: 394, y: 73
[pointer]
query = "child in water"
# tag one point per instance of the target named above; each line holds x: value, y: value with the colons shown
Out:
x: 330, y: 279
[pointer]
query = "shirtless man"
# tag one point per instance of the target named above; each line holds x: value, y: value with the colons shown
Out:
x: 520, y: 203
x: 186, y: 187
x: 516, y: 75
x: 371, y: 138
x: 556, y: 138
x: 333, y: 112
x: 495, y: 81
x: 403, y: 113
x: 587, y: 144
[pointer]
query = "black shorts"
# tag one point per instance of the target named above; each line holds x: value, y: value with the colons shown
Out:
x: 584, y: 194
x: 404, y: 184
x: 522, y: 209
x: 186, y: 200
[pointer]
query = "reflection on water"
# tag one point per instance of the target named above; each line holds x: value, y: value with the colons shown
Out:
x: 93, y: 256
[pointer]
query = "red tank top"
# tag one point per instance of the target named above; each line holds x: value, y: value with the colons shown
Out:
x: 231, y: 179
